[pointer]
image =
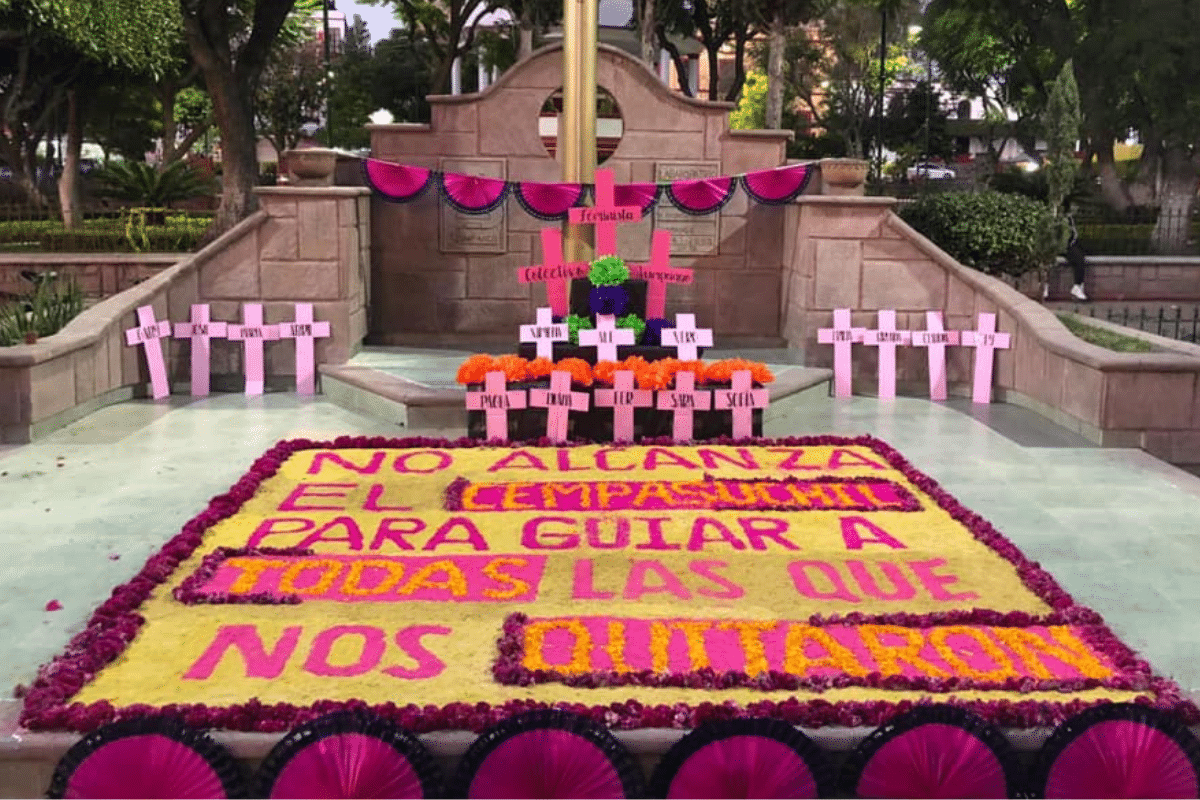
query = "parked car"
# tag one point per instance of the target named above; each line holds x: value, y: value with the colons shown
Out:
x: 933, y: 172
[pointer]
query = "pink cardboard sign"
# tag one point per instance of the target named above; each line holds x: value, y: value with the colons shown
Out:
x: 545, y: 332
x: 623, y: 398
x: 553, y: 272
x: 686, y: 338
x: 252, y: 333
x: 658, y: 273
x: 559, y: 401
x: 935, y: 338
x: 685, y: 401
x: 742, y: 398
x: 495, y: 401
x: 606, y: 336
x: 200, y: 330
x: 842, y: 336
x: 986, y: 341
x: 304, y: 330
x: 605, y: 214
x: 886, y: 338
x: 148, y: 333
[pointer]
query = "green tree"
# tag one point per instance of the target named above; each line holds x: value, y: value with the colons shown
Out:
x: 751, y: 111
x: 291, y: 91
x: 778, y: 16
x: 449, y: 30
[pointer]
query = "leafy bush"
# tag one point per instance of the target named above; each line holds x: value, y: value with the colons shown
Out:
x: 145, y: 184
x: 44, y: 311
x: 127, y: 234
x: 996, y: 233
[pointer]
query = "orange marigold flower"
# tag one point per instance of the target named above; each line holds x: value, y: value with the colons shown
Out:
x: 540, y: 367
x: 604, y: 371
x: 514, y: 367
x: 581, y: 371
x: 760, y: 373
x: 475, y: 368
x: 634, y: 363
x: 694, y: 367
x: 719, y: 371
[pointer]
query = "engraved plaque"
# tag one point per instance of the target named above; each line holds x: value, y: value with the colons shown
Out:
x: 690, y: 235
x: 473, y: 233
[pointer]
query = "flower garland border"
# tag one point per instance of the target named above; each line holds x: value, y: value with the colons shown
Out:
x: 115, y: 623
x: 189, y: 592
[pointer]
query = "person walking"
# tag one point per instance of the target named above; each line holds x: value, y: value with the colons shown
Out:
x: 1078, y: 261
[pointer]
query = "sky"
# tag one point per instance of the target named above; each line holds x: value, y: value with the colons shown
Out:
x: 380, y: 19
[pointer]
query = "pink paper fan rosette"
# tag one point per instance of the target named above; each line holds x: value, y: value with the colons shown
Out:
x: 642, y: 195
x: 1120, y: 750
x: 701, y: 196
x: 471, y: 194
x: 777, y: 186
x: 398, y: 183
x: 147, y: 757
x: 548, y: 201
x: 933, y: 751
x: 547, y: 754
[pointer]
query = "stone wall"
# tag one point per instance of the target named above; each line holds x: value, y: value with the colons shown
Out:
x: 1133, y: 278
x: 306, y: 244
x: 440, y: 276
x: 99, y: 275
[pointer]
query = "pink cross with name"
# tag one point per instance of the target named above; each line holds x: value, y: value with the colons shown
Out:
x: 553, y: 272
x: 935, y: 338
x: 252, y: 333
x: 742, y: 398
x: 842, y: 336
x: 685, y: 400
x: 685, y: 337
x: 886, y: 338
x: 986, y: 341
x: 623, y: 398
x: 304, y: 330
x: 605, y: 214
x: 147, y: 333
x: 606, y: 336
x: 200, y: 330
x: 545, y: 332
x: 558, y: 401
x: 658, y: 273
x: 495, y: 401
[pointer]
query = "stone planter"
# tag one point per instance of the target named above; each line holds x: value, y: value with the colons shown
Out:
x: 313, y: 166
x: 843, y: 176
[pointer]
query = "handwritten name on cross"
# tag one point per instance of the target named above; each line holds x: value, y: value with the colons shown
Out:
x: 936, y: 337
x: 685, y: 337
x: 658, y: 273
x: 558, y: 401
x: 623, y: 398
x: 986, y: 341
x: 495, y: 401
x: 304, y: 330
x: 252, y: 333
x: 200, y: 330
x: 605, y: 214
x: 545, y: 332
x: 886, y: 338
x: 605, y: 337
x: 742, y: 398
x: 148, y: 333
x: 842, y: 336
x: 685, y: 400
x: 553, y: 272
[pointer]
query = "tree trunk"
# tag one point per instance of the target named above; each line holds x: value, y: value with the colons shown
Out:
x: 239, y: 157
x: 1143, y: 190
x: 166, y: 98
x: 68, y: 182
x: 776, y: 43
x: 739, y: 65
x: 647, y: 34
x: 1173, y: 227
x: 1111, y: 188
x: 524, y: 41
x: 714, y: 73
x: 681, y: 67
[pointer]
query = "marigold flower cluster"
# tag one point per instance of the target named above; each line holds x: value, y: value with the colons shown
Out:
x: 658, y: 374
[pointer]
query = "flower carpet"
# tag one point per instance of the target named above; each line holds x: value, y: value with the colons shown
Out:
x: 821, y: 580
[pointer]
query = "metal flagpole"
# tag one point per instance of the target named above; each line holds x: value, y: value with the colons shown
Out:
x: 577, y: 137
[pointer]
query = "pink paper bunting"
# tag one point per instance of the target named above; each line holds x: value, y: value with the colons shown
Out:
x: 398, y: 183
x: 701, y: 196
x: 777, y: 186
x: 548, y: 201
x: 472, y: 194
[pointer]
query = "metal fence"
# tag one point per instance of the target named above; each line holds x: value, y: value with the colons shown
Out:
x: 1173, y: 322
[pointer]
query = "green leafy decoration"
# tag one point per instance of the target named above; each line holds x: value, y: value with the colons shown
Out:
x: 575, y: 324
x: 634, y: 323
x: 608, y: 271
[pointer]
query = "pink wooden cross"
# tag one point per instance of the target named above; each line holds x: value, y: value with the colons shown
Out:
x: 742, y: 399
x: 559, y: 401
x: 605, y: 337
x: 935, y: 338
x: 553, y: 272
x: 200, y: 330
x: 658, y: 273
x: 147, y: 333
x: 495, y: 401
x: 685, y: 400
x: 842, y: 336
x: 304, y: 330
x: 985, y: 340
x: 605, y: 214
x: 545, y: 332
x: 252, y: 333
x: 623, y: 398
x: 886, y: 338
x: 685, y: 337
